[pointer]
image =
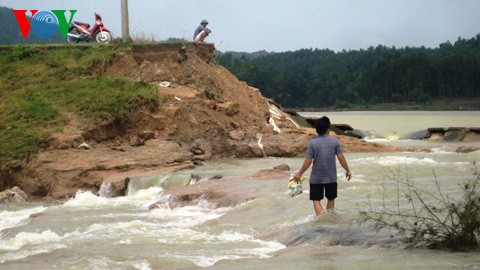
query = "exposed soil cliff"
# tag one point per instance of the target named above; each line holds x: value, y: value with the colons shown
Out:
x: 206, y: 113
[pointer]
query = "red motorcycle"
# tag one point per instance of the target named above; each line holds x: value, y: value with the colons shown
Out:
x: 79, y: 31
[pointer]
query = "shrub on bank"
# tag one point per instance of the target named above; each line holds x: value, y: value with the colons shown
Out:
x: 428, y: 217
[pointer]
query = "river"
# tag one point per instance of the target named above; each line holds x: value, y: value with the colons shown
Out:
x: 275, y: 232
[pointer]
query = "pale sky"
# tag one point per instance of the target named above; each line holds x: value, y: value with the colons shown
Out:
x: 285, y: 25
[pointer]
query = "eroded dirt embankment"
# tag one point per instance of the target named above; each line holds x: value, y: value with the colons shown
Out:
x: 206, y: 113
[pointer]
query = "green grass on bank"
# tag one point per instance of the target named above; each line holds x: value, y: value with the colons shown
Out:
x: 38, y: 85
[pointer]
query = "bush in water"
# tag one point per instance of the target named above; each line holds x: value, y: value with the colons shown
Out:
x: 426, y: 217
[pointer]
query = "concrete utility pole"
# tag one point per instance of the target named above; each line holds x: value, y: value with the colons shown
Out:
x: 125, y: 29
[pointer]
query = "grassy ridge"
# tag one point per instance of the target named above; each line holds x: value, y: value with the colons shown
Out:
x: 39, y: 84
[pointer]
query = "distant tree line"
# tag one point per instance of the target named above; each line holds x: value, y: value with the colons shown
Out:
x: 319, y: 78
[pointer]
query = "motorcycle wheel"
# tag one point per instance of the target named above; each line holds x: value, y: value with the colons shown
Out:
x: 103, y: 37
x: 73, y: 40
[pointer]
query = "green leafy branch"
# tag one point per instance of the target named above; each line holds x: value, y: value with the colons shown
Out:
x: 428, y: 217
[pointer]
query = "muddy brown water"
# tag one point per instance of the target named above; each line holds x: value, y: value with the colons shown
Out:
x: 273, y: 231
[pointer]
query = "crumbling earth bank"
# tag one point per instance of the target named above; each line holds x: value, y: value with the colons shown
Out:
x: 205, y: 113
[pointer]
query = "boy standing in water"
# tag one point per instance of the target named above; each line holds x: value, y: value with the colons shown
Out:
x: 322, y: 150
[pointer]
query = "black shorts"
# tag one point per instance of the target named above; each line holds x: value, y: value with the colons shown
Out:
x: 317, y: 191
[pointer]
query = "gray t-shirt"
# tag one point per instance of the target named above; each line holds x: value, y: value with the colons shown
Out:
x: 323, y: 150
x: 197, y: 31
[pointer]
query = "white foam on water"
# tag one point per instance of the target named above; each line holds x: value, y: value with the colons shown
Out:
x: 207, y: 261
x: 189, y: 215
x: 26, y: 244
x: 389, y: 161
x: 351, y: 188
x: 163, y: 233
x: 125, y: 242
x: 297, y: 221
x: 373, y: 139
x: 103, y: 263
x: 10, y: 219
x: 179, y: 226
x: 395, y: 160
x: 86, y: 199
x: 165, y: 225
x: 99, y: 263
x: 384, y: 138
x: 28, y: 239
x: 186, y: 236
x: 258, y: 249
x: 204, y: 245
x: 143, y: 265
x: 441, y: 150
x: 229, y: 236
x: 145, y: 194
x: 262, y: 251
x: 171, y: 226
x: 182, y: 236
x: 127, y: 233
x: 105, y: 189
x: 112, y: 230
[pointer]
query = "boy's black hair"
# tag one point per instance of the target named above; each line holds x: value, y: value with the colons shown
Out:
x: 322, y: 124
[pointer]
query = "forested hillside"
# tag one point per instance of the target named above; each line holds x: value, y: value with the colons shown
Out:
x: 314, y: 78
x: 11, y: 34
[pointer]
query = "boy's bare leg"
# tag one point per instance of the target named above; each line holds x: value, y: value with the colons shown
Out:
x: 317, y: 205
x: 331, y: 206
x: 201, y: 36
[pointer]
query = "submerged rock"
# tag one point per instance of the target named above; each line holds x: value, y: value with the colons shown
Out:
x: 454, y: 134
x: 473, y: 135
x: 13, y: 195
x: 451, y: 134
x: 467, y: 149
x: 226, y: 191
x: 419, y: 135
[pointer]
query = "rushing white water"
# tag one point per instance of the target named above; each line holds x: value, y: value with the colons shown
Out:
x: 99, y: 232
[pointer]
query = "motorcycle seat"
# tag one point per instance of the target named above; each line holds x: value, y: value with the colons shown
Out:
x: 81, y: 23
